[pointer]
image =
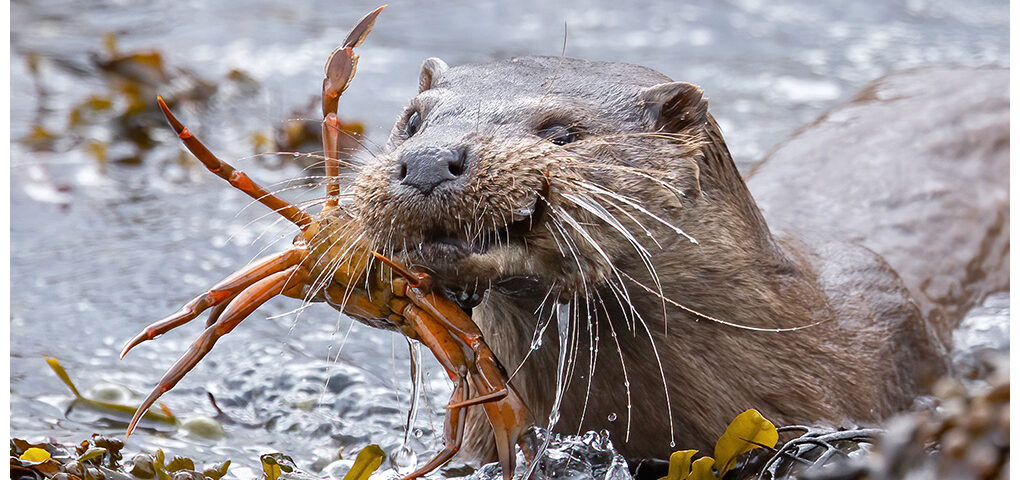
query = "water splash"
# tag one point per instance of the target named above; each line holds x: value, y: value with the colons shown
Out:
x: 590, y: 456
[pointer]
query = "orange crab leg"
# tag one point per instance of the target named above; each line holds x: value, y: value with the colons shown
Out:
x: 236, y: 177
x: 237, y: 310
x: 214, y: 315
x: 412, y: 278
x: 441, y: 309
x: 330, y: 147
x: 453, y: 432
x: 491, y: 377
x: 490, y: 397
x: 218, y: 294
x: 340, y: 69
x: 457, y: 343
x: 455, y: 360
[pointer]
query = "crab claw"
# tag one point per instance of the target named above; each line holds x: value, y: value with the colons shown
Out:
x: 360, y: 31
x: 343, y: 63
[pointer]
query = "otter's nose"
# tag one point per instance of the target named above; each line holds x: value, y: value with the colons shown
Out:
x: 427, y: 168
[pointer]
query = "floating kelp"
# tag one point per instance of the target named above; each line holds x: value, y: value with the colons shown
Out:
x: 165, y: 416
x: 100, y: 458
x: 966, y: 438
x: 116, y: 124
x: 122, y: 123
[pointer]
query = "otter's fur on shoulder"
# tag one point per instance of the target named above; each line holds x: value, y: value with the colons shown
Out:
x: 608, y: 188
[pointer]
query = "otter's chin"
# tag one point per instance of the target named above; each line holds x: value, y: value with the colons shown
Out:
x: 441, y: 253
x: 455, y: 262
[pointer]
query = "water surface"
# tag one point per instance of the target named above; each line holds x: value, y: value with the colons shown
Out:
x: 98, y: 251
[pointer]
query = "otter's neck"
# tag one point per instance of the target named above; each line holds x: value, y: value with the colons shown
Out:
x: 738, y: 272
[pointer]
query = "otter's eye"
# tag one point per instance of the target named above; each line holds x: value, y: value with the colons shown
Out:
x: 558, y: 134
x: 413, y: 123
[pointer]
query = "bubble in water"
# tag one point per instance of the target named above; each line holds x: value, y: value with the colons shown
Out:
x: 612, y: 417
x: 404, y: 460
x: 418, y: 433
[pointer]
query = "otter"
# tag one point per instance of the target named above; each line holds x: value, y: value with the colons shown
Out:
x: 551, y: 191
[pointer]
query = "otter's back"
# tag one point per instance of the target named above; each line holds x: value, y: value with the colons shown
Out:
x: 915, y: 168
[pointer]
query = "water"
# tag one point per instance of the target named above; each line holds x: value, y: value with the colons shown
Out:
x: 565, y: 457
x: 563, y: 321
x: 98, y: 251
x: 404, y: 458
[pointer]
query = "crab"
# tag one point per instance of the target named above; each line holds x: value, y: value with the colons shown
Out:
x: 330, y: 261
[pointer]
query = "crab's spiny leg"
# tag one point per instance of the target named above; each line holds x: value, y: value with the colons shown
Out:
x: 219, y: 294
x: 399, y: 269
x: 506, y: 437
x: 449, y: 315
x: 239, y: 308
x: 330, y: 147
x: 214, y: 315
x: 451, y: 354
x: 489, y: 397
x: 453, y: 432
x: 236, y: 177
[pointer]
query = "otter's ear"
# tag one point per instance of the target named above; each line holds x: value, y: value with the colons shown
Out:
x: 675, y: 106
x: 431, y: 71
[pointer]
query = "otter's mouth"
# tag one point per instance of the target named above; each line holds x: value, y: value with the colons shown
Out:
x: 444, y: 253
x: 440, y: 247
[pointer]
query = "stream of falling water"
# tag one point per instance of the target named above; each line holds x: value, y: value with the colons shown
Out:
x: 404, y: 458
x: 562, y: 325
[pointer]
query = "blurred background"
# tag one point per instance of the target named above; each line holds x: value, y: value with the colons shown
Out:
x: 114, y: 226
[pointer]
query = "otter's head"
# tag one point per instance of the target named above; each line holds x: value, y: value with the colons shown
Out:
x: 554, y: 171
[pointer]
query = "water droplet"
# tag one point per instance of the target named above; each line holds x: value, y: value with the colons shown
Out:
x: 404, y: 460
x: 612, y: 417
x: 672, y: 444
x: 418, y: 433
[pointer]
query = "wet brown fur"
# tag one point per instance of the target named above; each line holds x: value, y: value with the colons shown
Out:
x: 867, y: 354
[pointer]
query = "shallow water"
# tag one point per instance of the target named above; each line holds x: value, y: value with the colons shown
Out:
x: 99, y: 251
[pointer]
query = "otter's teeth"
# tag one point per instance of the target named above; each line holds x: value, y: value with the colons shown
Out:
x: 526, y: 211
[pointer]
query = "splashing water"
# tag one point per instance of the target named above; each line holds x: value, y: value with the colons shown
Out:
x: 590, y: 456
